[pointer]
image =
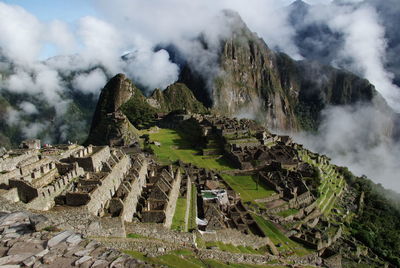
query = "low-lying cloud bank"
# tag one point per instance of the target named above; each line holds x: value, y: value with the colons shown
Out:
x: 358, y: 137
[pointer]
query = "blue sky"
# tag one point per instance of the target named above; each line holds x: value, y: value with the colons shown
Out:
x: 65, y: 10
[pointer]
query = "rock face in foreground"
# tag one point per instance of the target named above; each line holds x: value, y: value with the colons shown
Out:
x: 21, y: 246
x: 110, y: 126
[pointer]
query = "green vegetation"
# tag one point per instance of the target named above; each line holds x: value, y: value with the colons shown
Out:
x: 288, y: 212
x: 178, y: 97
x: 378, y: 223
x: 234, y: 249
x: 134, y: 236
x: 247, y: 187
x: 138, y: 111
x: 331, y: 183
x: 192, y: 225
x: 282, y: 242
x: 187, y: 259
x: 178, y: 221
x: 176, y: 145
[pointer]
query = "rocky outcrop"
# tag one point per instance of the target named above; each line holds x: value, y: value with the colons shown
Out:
x: 110, y: 126
x: 176, y: 97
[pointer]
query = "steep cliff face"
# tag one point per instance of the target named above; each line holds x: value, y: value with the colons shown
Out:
x: 110, y: 126
x: 284, y: 93
x: 250, y: 81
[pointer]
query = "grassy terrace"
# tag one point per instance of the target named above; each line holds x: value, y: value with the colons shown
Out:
x: 287, y: 245
x: 247, y: 187
x: 288, y: 212
x: 234, y: 249
x: 178, y: 221
x: 193, y: 209
x: 187, y: 259
x: 331, y: 187
x: 175, y: 145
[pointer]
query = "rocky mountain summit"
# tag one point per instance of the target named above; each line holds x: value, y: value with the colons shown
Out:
x: 272, y: 87
x: 109, y: 122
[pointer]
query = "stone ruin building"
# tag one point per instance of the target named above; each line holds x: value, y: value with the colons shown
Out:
x: 218, y: 205
x: 103, y: 180
x: 290, y: 186
x: 161, y: 194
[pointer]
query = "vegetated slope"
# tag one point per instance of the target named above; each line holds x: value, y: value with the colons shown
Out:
x: 176, y: 97
x: 378, y: 223
x: 271, y: 86
x: 122, y: 108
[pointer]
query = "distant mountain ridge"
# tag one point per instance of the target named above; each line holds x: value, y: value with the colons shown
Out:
x: 252, y: 81
x: 272, y: 87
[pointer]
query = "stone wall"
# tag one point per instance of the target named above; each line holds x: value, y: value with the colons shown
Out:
x: 24, y: 245
x: 131, y: 200
x: 28, y: 169
x: 172, y: 198
x: 157, y: 231
x: 6, y: 177
x: 269, y: 198
x: 236, y: 238
x: 26, y: 192
x: 91, y: 158
x: 334, y: 261
x: 46, y: 195
x: 109, y: 185
x: 16, y: 172
x: 12, y: 161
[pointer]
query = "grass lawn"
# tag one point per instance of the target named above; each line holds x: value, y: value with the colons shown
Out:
x: 178, y: 221
x: 192, y: 225
x: 234, y: 249
x: 188, y: 260
x: 175, y: 145
x: 247, y: 187
x: 278, y: 237
x: 288, y: 212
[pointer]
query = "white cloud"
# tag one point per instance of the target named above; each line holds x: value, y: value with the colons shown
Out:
x: 20, y: 33
x: 28, y: 107
x: 92, y: 82
x: 102, y: 43
x: 152, y: 69
x: 358, y: 137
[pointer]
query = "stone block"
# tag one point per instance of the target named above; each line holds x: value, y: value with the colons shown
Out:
x: 59, y: 238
